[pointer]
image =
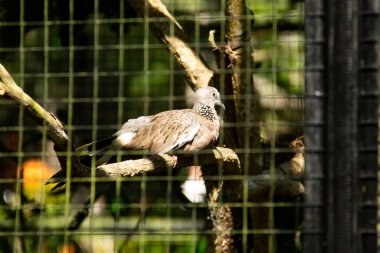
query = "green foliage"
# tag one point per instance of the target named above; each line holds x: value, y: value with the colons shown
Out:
x: 281, y: 62
x: 264, y: 8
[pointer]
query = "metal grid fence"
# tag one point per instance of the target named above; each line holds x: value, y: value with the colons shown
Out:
x: 94, y: 64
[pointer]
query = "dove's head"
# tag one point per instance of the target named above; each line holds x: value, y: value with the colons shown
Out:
x: 208, y: 96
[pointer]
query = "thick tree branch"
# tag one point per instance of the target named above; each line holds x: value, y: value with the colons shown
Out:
x: 169, y: 32
x: 224, y: 156
x: 291, y: 170
x: 160, y: 162
x: 239, y: 53
x: 224, y: 218
x: 230, y: 134
x: 281, y: 181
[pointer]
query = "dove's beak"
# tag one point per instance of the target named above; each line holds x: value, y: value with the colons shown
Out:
x: 218, y: 102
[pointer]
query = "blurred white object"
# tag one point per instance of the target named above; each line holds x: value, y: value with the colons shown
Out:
x: 194, y: 187
x: 10, y: 198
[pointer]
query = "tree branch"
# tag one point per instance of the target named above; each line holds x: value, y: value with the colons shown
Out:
x: 224, y: 156
x: 169, y: 32
x: 281, y: 181
x: 239, y: 53
x: 9, y: 89
x: 291, y: 169
x: 231, y: 137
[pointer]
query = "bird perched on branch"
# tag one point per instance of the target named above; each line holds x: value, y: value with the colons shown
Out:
x: 187, y: 129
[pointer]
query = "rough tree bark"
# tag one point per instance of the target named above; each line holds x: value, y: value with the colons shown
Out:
x: 240, y: 55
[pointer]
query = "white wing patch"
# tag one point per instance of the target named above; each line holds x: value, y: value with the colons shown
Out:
x: 123, y: 139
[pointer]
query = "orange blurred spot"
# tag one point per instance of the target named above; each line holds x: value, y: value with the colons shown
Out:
x: 35, y: 173
x: 67, y: 248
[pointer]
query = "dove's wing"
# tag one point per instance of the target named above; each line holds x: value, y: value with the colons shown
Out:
x: 167, y: 131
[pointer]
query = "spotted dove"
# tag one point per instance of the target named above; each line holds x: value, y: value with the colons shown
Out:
x: 187, y: 129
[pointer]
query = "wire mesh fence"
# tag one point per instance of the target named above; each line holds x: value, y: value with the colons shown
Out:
x: 93, y: 65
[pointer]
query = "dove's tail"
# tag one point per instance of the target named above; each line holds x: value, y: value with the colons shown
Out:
x: 102, y: 147
x: 100, y: 144
x: 102, y: 156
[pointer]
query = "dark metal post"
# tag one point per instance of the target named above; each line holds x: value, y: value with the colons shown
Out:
x: 369, y: 53
x: 342, y: 131
x: 315, y: 125
x: 341, y: 128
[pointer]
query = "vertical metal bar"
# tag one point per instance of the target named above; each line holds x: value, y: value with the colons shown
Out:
x: 275, y: 74
x: 120, y: 113
x: 342, y: 132
x: 315, y: 123
x: 369, y: 49
x: 70, y: 106
x: 143, y: 183
x: 94, y: 118
x: 45, y: 105
x: 18, y: 244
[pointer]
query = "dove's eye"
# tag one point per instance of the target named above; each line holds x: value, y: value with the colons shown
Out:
x: 213, y: 94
